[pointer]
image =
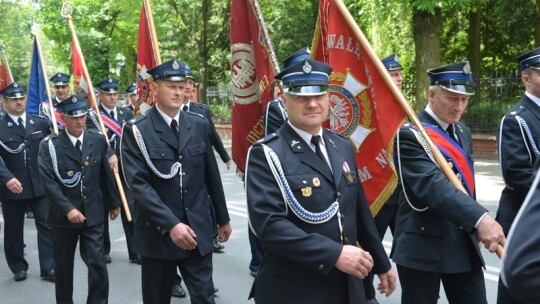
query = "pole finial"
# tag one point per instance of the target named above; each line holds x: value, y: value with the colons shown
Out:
x: 67, y: 9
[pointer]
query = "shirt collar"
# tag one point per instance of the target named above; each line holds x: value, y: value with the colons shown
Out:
x: 108, y: 110
x: 73, y: 139
x: 16, y: 118
x: 307, y: 136
x: 535, y: 99
x: 166, y: 117
x: 444, y: 125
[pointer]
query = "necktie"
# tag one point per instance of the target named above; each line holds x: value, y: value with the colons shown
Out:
x: 112, y: 115
x: 451, y: 133
x: 78, y: 146
x: 174, y: 128
x: 315, y: 140
x: 185, y: 108
x: 21, y: 123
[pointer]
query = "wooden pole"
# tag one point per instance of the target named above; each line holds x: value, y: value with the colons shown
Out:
x: 439, y: 158
x: 262, y: 24
x: 66, y: 12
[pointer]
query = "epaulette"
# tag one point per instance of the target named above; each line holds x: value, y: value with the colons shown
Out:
x: 268, y: 138
x: 50, y: 136
x: 194, y: 113
x: 515, y: 112
x: 94, y: 131
x: 337, y: 133
x: 137, y: 119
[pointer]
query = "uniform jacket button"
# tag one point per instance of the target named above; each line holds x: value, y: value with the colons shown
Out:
x: 321, y: 267
x: 422, y: 229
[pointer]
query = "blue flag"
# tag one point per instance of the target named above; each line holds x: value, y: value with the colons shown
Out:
x: 37, y: 88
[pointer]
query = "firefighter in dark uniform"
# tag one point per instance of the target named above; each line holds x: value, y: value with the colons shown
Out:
x: 518, y: 146
x: 170, y: 166
x: 132, y: 97
x: 521, y: 270
x: 386, y: 217
x: 20, y: 135
x: 114, y: 118
x: 79, y: 184
x: 307, y: 206
x: 438, y: 227
x: 60, y: 83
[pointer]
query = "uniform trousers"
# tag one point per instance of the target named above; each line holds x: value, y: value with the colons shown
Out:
x: 91, y: 250
x: 14, y: 214
x: 422, y: 287
x: 157, y: 279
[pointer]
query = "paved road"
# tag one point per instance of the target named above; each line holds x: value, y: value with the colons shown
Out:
x: 231, y: 272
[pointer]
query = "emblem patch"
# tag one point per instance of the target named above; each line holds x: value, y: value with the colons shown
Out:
x: 244, y: 79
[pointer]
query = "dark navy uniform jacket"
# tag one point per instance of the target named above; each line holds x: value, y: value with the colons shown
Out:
x: 96, y: 191
x: 199, y: 202
x: 299, y: 265
x: 123, y: 115
x: 517, y: 153
x: 24, y: 164
x: 439, y: 236
x: 216, y: 140
x: 521, y: 270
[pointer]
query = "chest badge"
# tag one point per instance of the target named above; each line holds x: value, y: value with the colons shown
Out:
x: 306, y: 191
x: 316, y: 182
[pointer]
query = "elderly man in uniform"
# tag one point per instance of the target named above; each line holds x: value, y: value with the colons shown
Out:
x: 20, y: 135
x: 79, y: 184
x: 386, y: 217
x: 171, y: 168
x: 307, y: 206
x: 114, y: 118
x: 517, y: 142
x: 438, y: 227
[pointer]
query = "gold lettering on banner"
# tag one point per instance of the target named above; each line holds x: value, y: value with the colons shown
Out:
x: 257, y: 132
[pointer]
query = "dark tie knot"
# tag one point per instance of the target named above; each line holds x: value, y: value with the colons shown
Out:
x: 78, y: 146
x: 315, y: 140
x: 20, y: 122
x: 174, y: 127
x: 185, y: 108
x: 112, y: 114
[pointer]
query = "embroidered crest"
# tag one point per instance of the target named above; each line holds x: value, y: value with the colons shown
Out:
x: 307, y: 67
x: 245, y: 85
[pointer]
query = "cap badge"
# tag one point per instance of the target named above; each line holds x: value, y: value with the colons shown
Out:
x: 308, y: 50
x: 187, y: 66
x: 307, y: 67
x: 109, y: 80
x: 467, y: 68
x: 59, y: 75
x: 175, y: 65
x: 15, y: 85
x: 74, y: 99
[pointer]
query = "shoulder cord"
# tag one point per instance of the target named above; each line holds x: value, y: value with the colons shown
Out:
x: 71, y: 182
x: 288, y: 196
x: 525, y: 128
x: 424, y: 144
x: 175, y: 168
x: 12, y: 151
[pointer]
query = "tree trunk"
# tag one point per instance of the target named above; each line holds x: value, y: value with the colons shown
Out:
x: 426, y: 32
x: 474, y: 48
x: 203, y: 53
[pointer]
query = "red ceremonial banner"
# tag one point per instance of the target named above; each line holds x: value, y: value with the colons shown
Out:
x: 146, y: 60
x: 252, y: 72
x: 5, y: 80
x: 78, y: 72
x: 363, y: 107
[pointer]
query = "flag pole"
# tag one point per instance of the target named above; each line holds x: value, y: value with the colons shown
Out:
x: 439, y: 158
x: 150, y: 18
x: 260, y: 19
x: 2, y: 48
x: 44, y: 70
x: 66, y: 13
